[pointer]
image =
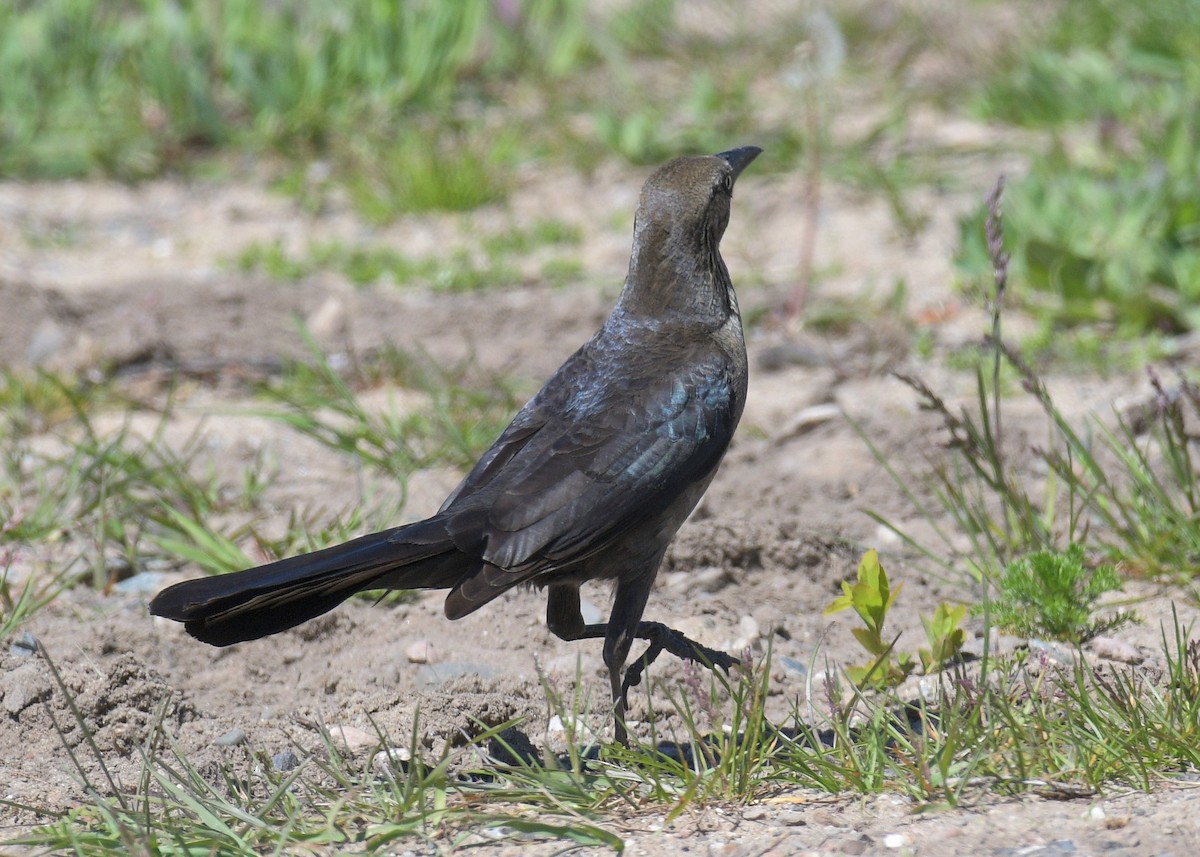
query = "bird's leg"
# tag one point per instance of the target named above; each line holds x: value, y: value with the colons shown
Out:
x: 565, y: 621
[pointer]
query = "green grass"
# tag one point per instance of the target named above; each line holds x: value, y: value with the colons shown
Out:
x: 92, y: 83
x: 493, y: 264
x: 138, y: 500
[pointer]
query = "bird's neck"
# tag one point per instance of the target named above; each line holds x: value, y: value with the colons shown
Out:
x: 677, y: 277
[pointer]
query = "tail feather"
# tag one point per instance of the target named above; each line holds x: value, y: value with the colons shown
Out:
x: 247, y: 605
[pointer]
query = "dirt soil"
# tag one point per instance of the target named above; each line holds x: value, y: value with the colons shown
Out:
x: 101, y: 274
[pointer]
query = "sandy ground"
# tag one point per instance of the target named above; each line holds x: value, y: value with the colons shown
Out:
x: 95, y: 273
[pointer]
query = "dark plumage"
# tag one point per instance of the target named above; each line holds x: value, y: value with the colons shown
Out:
x: 589, y: 482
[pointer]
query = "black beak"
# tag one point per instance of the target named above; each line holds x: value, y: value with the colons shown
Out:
x: 739, y: 159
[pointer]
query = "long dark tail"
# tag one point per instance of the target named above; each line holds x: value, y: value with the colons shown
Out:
x: 246, y: 605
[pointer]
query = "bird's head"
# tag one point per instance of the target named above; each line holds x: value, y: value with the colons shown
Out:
x: 682, y: 214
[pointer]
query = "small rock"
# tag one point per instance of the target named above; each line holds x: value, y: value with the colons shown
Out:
x: 808, y: 419
x: 701, y: 629
x: 285, y: 761
x: 1059, y: 653
x: 897, y: 840
x: 142, y: 583
x: 1112, y: 649
x: 855, y: 846
x: 329, y: 319
x: 748, y: 634
x: 232, y: 738
x: 391, y: 762
x: 353, y: 738
x: 792, y: 668
x: 792, y: 818
x: 419, y: 652
x: 513, y: 747
x: 712, y: 578
x: 23, y: 686
x: 434, y: 675
x: 755, y: 813
x: 24, y: 646
x: 48, y: 338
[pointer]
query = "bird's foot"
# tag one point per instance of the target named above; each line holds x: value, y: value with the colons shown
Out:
x: 664, y: 639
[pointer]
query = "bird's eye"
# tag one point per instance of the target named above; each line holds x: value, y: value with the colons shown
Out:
x: 726, y: 184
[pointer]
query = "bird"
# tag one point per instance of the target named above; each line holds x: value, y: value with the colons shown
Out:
x: 589, y: 482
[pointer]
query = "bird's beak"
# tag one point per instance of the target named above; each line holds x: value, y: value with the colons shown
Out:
x: 739, y: 159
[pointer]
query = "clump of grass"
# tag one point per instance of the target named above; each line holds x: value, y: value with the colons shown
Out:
x: 427, y: 171
x: 453, y: 428
x: 1138, y: 483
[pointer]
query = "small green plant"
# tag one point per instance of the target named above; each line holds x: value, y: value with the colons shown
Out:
x: 945, y: 635
x: 871, y: 597
x: 1054, y: 594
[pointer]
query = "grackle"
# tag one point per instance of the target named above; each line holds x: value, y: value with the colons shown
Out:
x: 590, y: 481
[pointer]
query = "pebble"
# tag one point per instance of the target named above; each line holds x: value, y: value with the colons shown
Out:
x: 391, y: 762
x: 353, y: 738
x: 328, y: 320
x: 48, y: 338
x: 232, y: 738
x: 755, y: 813
x: 22, y: 687
x: 809, y: 418
x: 748, y: 634
x: 142, y: 583
x: 701, y: 629
x: 854, y: 846
x: 792, y: 818
x: 24, y: 646
x: 710, y: 579
x: 1116, y: 650
x: 285, y: 761
x: 1057, y: 848
x: 1059, y: 653
x: 792, y: 667
x: 897, y: 840
x: 434, y: 675
x: 419, y: 652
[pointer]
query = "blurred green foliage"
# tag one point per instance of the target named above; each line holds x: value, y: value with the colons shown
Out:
x: 130, y: 89
x: 409, y: 105
x: 1106, y: 226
